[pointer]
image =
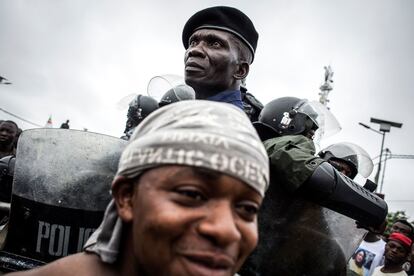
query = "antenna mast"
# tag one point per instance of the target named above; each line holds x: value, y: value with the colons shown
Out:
x: 327, y: 86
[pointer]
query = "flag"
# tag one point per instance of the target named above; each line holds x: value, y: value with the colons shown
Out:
x: 49, y: 123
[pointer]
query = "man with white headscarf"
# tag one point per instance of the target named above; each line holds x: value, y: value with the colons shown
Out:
x: 185, y: 197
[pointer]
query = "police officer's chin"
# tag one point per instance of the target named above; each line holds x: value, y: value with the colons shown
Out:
x: 310, y: 134
x: 202, y: 89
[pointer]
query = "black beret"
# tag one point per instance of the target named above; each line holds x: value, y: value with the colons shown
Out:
x: 225, y: 19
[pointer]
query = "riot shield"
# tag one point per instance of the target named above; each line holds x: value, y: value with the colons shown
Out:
x: 298, y: 237
x: 60, y: 190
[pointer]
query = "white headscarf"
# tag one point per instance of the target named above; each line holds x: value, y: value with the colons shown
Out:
x: 211, y: 135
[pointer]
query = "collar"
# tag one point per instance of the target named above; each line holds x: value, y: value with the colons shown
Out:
x: 228, y: 96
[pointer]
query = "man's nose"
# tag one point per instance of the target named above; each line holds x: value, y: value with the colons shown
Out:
x: 196, y: 50
x: 219, y: 225
x: 394, y: 249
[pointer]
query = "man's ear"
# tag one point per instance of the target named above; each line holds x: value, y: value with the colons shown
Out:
x: 123, y: 193
x: 242, y: 70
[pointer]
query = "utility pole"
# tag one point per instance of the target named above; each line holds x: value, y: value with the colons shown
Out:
x: 385, y: 126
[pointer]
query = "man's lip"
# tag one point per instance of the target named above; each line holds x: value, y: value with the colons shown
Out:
x: 209, y: 264
x: 214, y: 260
x: 193, y: 65
x: 392, y: 256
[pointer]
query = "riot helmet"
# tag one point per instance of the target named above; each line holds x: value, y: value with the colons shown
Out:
x: 180, y: 92
x: 169, y: 89
x: 357, y: 159
x: 286, y: 116
x: 139, y: 108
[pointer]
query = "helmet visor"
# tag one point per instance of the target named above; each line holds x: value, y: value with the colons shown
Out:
x: 158, y: 86
x: 354, y: 154
x: 327, y: 122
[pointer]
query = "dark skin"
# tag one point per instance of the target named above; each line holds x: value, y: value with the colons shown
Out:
x: 8, y: 132
x: 395, y: 255
x: 213, y: 64
x: 177, y: 221
x: 342, y: 167
x: 411, y: 256
x: 372, y: 237
x: 402, y: 228
x: 196, y: 224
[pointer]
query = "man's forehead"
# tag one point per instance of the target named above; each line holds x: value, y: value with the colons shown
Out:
x: 7, y: 125
x: 185, y: 171
x: 205, y: 32
x: 395, y: 244
x: 340, y: 162
x: 401, y: 225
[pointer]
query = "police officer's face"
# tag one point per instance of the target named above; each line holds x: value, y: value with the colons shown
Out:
x: 211, y: 60
x: 8, y: 132
x: 342, y: 167
x: 191, y: 222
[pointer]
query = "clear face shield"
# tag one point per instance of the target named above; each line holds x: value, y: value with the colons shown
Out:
x: 170, y: 88
x: 354, y: 154
x: 327, y: 123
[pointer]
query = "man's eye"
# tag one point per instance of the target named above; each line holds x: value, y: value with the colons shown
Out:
x: 248, y: 211
x: 193, y: 43
x: 215, y: 44
x: 191, y: 194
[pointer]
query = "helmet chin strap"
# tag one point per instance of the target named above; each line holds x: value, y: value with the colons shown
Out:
x: 310, y: 128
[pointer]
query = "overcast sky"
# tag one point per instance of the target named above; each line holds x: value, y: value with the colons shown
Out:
x: 76, y: 59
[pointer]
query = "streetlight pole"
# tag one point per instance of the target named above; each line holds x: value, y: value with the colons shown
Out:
x: 387, y: 156
x: 385, y: 126
x: 377, y: 175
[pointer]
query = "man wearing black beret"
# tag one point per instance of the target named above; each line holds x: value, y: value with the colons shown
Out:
x: 220, y: 45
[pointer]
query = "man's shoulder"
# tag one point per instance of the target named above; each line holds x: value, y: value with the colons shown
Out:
x: 77, y: 264
x: 378, y: 272
x: 251, y: 105
x: 251, y: 99
x: 376, y: 245
x: 296, y: 140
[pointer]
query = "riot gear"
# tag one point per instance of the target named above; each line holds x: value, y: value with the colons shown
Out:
x: 297, y: 236
x: 180, y: 92
x: 169, y: 89
x: 59, y: 195
x: 251, y: 105
x: 6, y: 177
x: 286, y: 116
x: 337, y: 192
x: 353, y: 155
x: 138, y: 110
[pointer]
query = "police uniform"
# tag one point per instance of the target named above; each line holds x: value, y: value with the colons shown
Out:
x: 251, y: 105
x: 296, y: 235
x: 292, y: 160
